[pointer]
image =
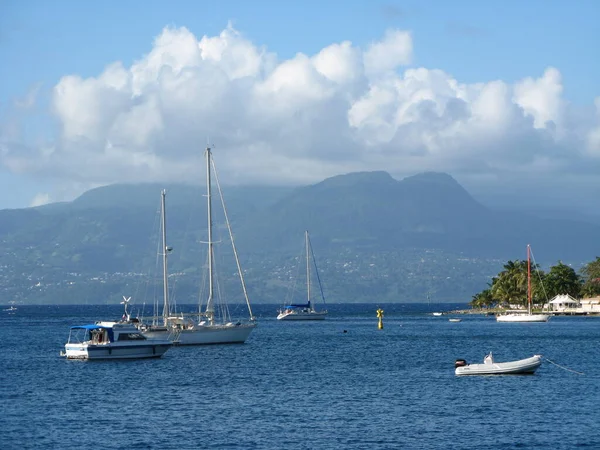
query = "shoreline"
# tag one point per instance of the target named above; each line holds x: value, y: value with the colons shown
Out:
x: 496, y: 311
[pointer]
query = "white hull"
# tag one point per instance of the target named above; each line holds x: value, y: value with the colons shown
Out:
x: 116, y: 351
x: 522, y: 318
x: 112, y: 340
x: 521, y: 367
x: 205, y: 334
x: 311, y: 315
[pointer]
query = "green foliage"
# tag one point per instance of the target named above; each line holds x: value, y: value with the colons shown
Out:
x: 562, y: 279
x: 484, y: 299
x: 591, y: 278
x: 509, y: 287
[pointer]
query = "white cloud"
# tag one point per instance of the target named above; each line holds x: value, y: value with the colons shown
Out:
x: 300, y: 120
x: 40, y: 199
x: 541, y: 98
x: 593, y: 136
x: 394, y: 50
x: 28, y: 101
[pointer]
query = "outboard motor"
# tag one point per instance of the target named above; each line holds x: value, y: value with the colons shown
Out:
x: 460, y: 363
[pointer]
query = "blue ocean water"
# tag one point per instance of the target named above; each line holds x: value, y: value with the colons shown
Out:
x: 337, y: 384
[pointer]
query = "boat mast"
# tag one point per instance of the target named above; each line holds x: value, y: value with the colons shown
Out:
x: 528, y: 280
x: 307, y: 268
x: 165, y: 250
x: 209, y: 302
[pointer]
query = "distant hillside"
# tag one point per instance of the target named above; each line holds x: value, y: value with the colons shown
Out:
x: 377, y: 239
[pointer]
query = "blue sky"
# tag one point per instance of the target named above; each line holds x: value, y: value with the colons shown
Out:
x: 470, y: 42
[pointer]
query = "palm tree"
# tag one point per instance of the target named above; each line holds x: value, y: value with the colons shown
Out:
x: 510, y: 287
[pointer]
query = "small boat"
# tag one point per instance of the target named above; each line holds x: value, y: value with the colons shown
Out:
x: 454, y: 320
x: 11, y: 309
x: 437, y: 314
x: 112, y: 340
x: 305, y: 311
x: 524, y: 316
x: 490, y: 367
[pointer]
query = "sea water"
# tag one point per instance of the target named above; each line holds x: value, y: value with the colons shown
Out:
x: 336, y: 384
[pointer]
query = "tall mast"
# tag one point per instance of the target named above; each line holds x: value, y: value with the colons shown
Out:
x: 528, y: 280
x: 165, y: 250
x: 209, y: 302
x: 307, y: 267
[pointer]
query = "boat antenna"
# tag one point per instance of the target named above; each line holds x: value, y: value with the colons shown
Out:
x: 125, y: 302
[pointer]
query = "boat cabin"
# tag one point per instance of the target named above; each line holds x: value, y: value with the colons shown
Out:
x: 104, y: 333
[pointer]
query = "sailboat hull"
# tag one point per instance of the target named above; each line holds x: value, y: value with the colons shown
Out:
x: 300, y: 315
x: 522, y: 318
x: 206, y: 334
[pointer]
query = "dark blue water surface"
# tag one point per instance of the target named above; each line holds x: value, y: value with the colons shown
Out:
x: 304, y: 385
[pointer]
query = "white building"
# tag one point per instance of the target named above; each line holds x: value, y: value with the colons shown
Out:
x: 590, y: 305
x: 563, y: 302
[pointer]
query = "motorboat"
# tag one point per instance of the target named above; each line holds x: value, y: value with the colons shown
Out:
x: 112, y: 340
x: 491, y: 367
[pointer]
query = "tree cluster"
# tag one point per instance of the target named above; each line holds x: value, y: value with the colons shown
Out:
x: 510, y: 287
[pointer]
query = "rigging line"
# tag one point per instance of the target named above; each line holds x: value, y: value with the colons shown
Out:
x: 316, y: 269
x: 539, y: 277
x: 564, y: 368
x: 293, y: 281
x: 235, y: 254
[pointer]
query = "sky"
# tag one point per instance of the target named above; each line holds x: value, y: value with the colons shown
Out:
x: 503, y: 96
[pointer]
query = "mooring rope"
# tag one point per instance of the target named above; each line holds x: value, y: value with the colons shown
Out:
x: 564, y: 368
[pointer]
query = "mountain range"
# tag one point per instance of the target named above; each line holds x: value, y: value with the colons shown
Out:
x: 377, y: 239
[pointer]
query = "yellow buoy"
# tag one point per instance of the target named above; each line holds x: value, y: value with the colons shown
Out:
x: 380, y: 317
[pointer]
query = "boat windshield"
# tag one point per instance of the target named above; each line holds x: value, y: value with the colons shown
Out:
x: 93, y: 334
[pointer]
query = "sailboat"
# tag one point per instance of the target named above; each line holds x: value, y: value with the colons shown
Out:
x: 204, y: 326
x: 518, y: 316
x: 305, y: 311
x: 435, y: 313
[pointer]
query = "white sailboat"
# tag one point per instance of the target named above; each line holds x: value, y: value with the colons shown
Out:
x: 203, y: 327
x: 435, y: 313
x: 521, y: 316
x: 305, y: 311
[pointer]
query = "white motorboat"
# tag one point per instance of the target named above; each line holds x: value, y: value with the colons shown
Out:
x: 491, y: 367
x: 524, y: 316
x: 112, y: 340
x: 214, y: 325
x: 305, y: 311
